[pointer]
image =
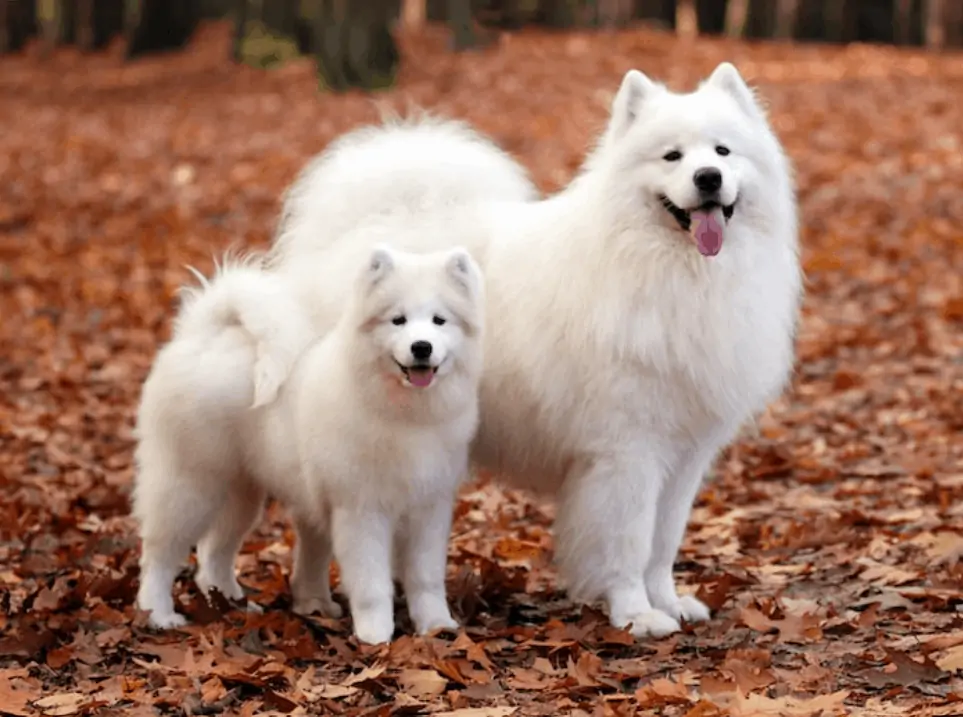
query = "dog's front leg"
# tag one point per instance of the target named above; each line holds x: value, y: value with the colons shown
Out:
x: 675, y: 505
x: 362, y: 547
x: 604, y: 537
x: 424, y: 559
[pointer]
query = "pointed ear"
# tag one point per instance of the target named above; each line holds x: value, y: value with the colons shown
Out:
x: 381, y: 262
x: 463, y: 270
x: 726, y: 78
x: 633, y: 93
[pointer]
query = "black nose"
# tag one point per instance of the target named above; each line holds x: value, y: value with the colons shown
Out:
x: 421, y: 350
x: 707, y: 179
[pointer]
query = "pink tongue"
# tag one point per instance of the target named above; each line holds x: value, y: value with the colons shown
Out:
x: 420, y: 377
x: 707, y: 230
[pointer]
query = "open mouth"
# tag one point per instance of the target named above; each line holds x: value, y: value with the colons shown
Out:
x: 419, y: 375
x: 684, y: 217
x: 706, y: 224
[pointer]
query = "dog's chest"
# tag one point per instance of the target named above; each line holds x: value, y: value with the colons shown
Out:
x: 720, y: 346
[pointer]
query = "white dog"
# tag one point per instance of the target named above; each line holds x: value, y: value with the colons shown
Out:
x: 636, y: 319
x: 363, y: 434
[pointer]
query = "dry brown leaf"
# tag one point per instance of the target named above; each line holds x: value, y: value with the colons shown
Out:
x: 479, y: 712
x: 756, y: 705
x: 64, y: 703
x: 422, y: 683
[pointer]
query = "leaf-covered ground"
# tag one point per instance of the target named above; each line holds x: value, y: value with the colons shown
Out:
x: 828, y: 540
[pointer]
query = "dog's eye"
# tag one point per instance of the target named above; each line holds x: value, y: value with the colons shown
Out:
x: 439, y: 321
x: 399, y: 321
x: 673, y: 156
x: 722, y: 150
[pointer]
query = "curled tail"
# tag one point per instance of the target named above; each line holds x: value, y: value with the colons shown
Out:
x: 242, y: 295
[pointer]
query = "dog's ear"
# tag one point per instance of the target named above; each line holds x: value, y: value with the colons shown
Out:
x: 380, y: 263
x: 633, y: 93
x: 726, y: 78
x: 463, y: 270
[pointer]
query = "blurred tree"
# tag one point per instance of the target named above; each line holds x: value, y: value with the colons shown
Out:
x: 613, y: 13
x: 686, y: 19
x: 557, y: 13
x: 413, y: 13
x: 902, y: 10
x: 954, y: 23
x: 737, y: 13
x: 85, y: 24
x: 50, y: 17
x: 240, y: 29
x: 834, y: 19
x: 353, y: 43
x: 462, y: 28
x: 787, y: 11
x: 935, y: 23
x: 159, y: 25
x: 352, y: 30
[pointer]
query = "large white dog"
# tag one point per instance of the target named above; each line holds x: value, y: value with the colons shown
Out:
x: 636, y: 319
x: 363, y: 435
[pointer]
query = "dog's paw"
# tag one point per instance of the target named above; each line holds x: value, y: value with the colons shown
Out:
x: 324, y: 607
x: 688, y: 608
x: 438, y: 622
x: 374, y: 628
x: 230, y: 588
x: 649, y: 623
x: 166, y: 621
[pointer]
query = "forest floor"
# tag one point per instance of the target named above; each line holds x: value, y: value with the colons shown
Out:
x: 828, y: 542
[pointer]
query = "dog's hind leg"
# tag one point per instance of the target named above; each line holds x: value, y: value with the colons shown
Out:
x: 172, y: 519
x: 311, y: 576
x: 218, y: 548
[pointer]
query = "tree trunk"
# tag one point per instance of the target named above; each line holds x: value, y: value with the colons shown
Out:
x: 413, y: 13
x: 22, y: 22
x: 614, y: 13
x: 353, y: 44
x: 6, y: 25
x: 557, y: 13
x: 280, y: 16
x: 50, y: 15
x: 933, y: 21
x: 159, y: 25
x: 686, y: 19
x: 459, y: 19
x: 786, y: 13
x: 737, y: 14
x: 834, y: 17
x: 85, y: 25
x: 902, y: 10
x: 241, y: 9
x: 954, y: 24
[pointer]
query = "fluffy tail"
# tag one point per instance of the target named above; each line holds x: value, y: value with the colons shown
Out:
x: 242, y: 295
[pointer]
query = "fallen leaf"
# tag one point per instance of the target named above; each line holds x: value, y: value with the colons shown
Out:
x: 422, y: 683
x: 65, y: 703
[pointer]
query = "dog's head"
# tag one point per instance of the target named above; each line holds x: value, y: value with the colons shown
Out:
x: 698, y: 157
x: 422, y: 314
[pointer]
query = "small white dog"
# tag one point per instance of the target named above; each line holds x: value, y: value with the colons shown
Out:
x: 636, y: 319
x: 362, y: 434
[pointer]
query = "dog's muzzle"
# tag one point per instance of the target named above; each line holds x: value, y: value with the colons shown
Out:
x: 684, y: 216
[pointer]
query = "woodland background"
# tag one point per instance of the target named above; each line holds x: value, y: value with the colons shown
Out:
x: 827, y: 540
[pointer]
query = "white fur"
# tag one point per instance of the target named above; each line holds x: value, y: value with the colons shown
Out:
x: 619, y: 360
x: 367, y: 464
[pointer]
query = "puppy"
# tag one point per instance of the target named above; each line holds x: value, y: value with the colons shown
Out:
x: 363, y: 434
